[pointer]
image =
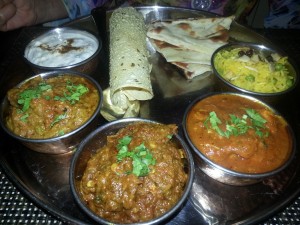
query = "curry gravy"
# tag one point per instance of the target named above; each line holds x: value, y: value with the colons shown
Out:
x: 247, y: 152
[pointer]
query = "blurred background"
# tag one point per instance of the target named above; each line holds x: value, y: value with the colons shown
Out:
x: 273, y: 14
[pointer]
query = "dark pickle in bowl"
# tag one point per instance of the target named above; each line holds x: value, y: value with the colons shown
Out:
x: 132, y: 171
x: 238, y: 139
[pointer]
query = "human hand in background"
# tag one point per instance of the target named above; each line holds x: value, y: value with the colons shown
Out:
x: 16, y: 13
x: 19, y: 13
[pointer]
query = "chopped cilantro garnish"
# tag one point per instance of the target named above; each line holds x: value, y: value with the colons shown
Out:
x: 24, y: 117
x: 140, y: 155
x: 214, y: 121
x: 169, y: 136
x: 238, y: 125
x: 27, y: 95
x: 60, y: 133
x: 58, y: 118
x: 73, y: 93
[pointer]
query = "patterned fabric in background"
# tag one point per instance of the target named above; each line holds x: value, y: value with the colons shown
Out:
x: 78, y: 8
x: 283, y: 14
x: 239, y: 8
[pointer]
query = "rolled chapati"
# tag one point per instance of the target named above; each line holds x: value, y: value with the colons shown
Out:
x: 129, y: 68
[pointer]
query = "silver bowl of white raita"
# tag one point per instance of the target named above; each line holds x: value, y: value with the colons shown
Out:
x: 64, y: 48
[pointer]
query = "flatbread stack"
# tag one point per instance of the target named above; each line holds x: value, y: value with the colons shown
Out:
x: 129, y: 67
x: 190, y: 43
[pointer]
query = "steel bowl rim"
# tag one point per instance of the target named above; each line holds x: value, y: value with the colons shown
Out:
x: 270, y: 48
x: 164, y: 216
x: 58, y: 30
x: 229, y: 172
x: 53, y: 139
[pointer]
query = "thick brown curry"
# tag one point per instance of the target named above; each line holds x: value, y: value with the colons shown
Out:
x: 113, y: 190
x: 238, y: 142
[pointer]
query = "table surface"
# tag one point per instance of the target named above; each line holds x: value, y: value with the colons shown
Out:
x: 16, y: 208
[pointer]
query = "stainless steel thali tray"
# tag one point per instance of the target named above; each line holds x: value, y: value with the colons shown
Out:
x: 44, y: 178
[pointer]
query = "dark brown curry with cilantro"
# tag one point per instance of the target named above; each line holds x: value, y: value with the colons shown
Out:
x: 239, y: 134
x: 137, y: 176
x: 45, y: 108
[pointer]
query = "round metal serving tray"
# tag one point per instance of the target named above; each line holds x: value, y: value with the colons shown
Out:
x: 45, y: 178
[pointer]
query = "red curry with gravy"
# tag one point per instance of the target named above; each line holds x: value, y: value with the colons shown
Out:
x: 119, y: 189
x: 239, y: 134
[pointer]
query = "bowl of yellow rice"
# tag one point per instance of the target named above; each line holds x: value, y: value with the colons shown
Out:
x: 265, y: 72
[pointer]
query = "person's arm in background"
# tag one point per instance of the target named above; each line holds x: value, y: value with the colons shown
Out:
x: 80, y: 8
x: 19, y: 13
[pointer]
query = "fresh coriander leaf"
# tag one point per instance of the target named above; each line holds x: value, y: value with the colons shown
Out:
x: 44, y: 87
x: 73, y: 93
x: 58, y: 98
x: 61, y: 132
x: 238, y: 126
x: 257, y: 119
x: 58, y: 118
x: 170, y: 136
x: 27, y: 95
x: 214, y: 121
x: 140, y: 155
x: 124, y: 141
x: 24, y: 117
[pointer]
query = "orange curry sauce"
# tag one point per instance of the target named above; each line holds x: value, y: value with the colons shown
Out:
x: 246, y: 152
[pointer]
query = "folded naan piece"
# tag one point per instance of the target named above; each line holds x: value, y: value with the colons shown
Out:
x: 129, y: 67
x: 190, y: 43
x: 201, y: 34
x: 198, y: 28
x: 192, y: 70
x: 174, y: 53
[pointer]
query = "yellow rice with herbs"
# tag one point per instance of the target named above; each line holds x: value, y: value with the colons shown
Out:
x: 246, y: 68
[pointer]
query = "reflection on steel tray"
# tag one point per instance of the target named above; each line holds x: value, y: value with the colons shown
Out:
x: 44, y: 178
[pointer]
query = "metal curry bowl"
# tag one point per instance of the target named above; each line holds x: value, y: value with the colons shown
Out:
x: 222, y: 173
x: 96, y: 140
x: 59, y: 144
x: 266, y: 53
x: 66, y: 47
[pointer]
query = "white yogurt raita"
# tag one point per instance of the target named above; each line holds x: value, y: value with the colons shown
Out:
x: 61, y: 48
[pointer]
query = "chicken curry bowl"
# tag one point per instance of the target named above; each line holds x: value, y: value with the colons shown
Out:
x: 238, y: 133
x: 140, y: 172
